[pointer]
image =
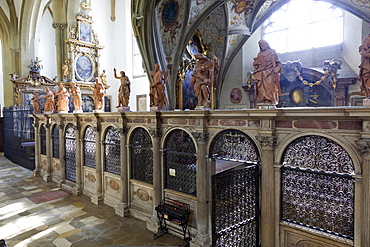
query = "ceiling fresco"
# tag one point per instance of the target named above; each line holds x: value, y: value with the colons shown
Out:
x: 224, y: 26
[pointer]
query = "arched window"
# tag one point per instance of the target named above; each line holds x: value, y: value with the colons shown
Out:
x: 141, y: 150
x: 89, y: 147
x: 180, y: 162
x: 301, y: 25
x: 42, y: 140
x: 70, y: 153
x: 55, y: 140
x: 317, y: 188
x: 112, y: 151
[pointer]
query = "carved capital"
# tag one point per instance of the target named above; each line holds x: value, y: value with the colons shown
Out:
x: 123, y: 130
x: 60, y: 25
x: 267, y: 141
x: 364, y: 147
x: 201, y: 137
x: 156, y: 133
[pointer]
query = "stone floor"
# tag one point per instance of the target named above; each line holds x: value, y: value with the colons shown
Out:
x: 69, y: 221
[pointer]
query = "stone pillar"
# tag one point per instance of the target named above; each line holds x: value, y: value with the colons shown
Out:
x: 122, y: 208
x: 267, y: 142
x: 36, y: 124
x: 202, y: 190
x: 277, y: 203
x: 79, y: 153
x: 61, y: 53
x: 157, y: 172
x: 47, y: 176
x: 362, y: 192
x: 62, y: 153
x: 98, y: 197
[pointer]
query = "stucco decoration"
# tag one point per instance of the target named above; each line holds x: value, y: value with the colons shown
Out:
x: 114, y: 185
x: 142, y: 195
x: 239, y: 14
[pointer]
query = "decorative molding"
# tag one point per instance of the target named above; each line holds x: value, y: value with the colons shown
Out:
x: 267, y: 141
x: 201, y: 137
x: 59, y: 25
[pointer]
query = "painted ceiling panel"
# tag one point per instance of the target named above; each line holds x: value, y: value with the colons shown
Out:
x: 170, y: 17
x: 196, y: 9
x: 239, y: 14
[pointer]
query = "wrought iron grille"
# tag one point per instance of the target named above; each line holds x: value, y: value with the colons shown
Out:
x: 318, y: 153
x: 141, y: 150
x: 55, y: 139
x: 19, y: 137
x: 42, y: 140
x: 112, y: 151
x: 317, y: 189
x: 70, y: 153
x: 234, y: 145
x: 180, y: 162
x: 89, y: 147
x: 235, y: 207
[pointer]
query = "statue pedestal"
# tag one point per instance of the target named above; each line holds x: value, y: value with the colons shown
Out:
x: 366, y: 102
x: 98, y: 111
x: 62, y: 112
x: 158, y: 108
x: 78, y: 111
x: 265, y: 106
x: 202, y: 108
x: 123, y: 109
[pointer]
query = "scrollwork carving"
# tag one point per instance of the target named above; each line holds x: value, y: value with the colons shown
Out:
x: 201, y: 137
x: 364, y: 146
x: 267, y: 141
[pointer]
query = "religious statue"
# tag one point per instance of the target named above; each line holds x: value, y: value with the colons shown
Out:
x: 65, y: 70
x: 203, y: 78
x: 124, y: 89
x: 98, y: 95
x: 267, y: 74
x: 76, y: 97
x: 103, y: 79
x: 157, y: 93
x: 63, y: 100
x: 36, y: 103
x: 49, y: 106
x: 364, y: 74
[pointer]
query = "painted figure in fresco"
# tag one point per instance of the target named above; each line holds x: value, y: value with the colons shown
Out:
x: 157, y: 89
x: 267, y: 74
x: 76, y: 96
x: 49, y: 106
x: 36, y: 103
x: 63, y: 100
x: 124, y: 89
x: 203, y: 78
x: 98, y: 95
x: 364, y: 74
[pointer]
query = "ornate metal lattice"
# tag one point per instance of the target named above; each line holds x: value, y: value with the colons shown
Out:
x: 112, y: 151
x: 234, y: 145
x: 235, y: 207
x: 180, y: 162
x: 141, y: 150
x: 55, y: 140
x: 43, y: 139
x: 313, y: 193
x: 89, y: 147
x: 318, y: 153
x: 70, y: 153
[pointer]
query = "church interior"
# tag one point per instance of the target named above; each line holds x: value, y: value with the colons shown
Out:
x: 201, y: 122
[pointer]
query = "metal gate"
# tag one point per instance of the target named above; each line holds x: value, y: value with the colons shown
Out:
x: 70, y: 153
x: 235, y: 209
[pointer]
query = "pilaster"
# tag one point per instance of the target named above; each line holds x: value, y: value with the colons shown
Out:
x: 36, y: 124
x: 47, y: 177
x: 98, y: 197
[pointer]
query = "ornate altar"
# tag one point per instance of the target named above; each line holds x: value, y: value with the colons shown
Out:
x: 25, y: 86
x: 305, y: 87
x: 82, y: 66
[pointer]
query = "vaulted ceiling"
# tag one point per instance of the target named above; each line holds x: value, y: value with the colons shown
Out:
x: 164, y: 28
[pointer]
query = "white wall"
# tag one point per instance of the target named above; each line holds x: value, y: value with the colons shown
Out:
x: 116, y: 37
x: 45, y: 46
